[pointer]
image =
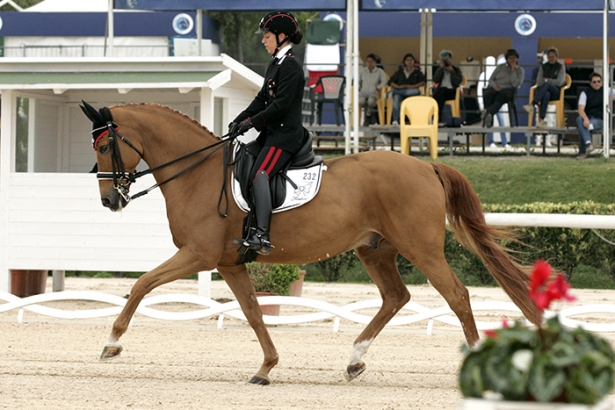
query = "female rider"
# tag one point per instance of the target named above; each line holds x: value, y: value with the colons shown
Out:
x: 276, y: 114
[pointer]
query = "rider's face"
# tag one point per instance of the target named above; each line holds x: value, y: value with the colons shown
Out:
x: 270, y: 42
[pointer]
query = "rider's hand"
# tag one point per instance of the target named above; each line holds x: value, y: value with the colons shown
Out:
x: 244, y: 126
x: 232, y: 128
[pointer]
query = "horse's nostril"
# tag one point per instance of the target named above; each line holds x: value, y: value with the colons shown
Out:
x: 106, y: 202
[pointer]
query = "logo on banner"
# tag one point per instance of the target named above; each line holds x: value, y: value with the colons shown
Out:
x: 525, y: 24
x: 183, y: 24
x: 380, y: 3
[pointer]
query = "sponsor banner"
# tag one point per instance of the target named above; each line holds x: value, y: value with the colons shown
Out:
x: 482, y: 5
x: 230, y: 5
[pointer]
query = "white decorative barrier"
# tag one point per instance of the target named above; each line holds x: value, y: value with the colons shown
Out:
x: 324, y: 310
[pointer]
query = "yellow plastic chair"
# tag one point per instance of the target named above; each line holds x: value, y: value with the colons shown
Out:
x: 559, y: 104
x: 456, y: 103
x: 352, y: 105
x: 385, y: 106
x: 422, y: 112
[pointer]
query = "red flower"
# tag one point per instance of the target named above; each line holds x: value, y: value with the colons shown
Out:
x: 540, y: 274
x: 491, y: 333
x: 558, y: 289
x: 544, y: 291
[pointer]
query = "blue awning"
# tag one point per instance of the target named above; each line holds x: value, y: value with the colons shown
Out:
x: 482, y: 5
x: 366, y: 5
x: 230, y: 5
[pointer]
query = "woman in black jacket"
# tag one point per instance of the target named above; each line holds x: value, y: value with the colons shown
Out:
x: 447, y: 77
x: 276, y: 114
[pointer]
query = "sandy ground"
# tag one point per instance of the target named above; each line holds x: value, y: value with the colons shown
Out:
x: 48, y: 363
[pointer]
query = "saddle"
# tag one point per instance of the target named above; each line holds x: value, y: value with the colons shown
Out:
x: 245, y: 157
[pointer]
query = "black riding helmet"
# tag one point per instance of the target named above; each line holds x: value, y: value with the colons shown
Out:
x: 281, y: 22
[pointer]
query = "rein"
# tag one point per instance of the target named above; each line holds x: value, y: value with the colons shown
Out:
x: 122, y: 179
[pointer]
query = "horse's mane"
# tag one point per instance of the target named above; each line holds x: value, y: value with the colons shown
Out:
x: 167, y: 109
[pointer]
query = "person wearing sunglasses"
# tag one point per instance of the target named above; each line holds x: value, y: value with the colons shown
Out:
x: 590, y: 108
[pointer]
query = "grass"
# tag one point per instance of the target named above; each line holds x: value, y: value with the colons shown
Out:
x: 521, y: 180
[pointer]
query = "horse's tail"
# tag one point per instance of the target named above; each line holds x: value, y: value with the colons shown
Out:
x: 466, y: 219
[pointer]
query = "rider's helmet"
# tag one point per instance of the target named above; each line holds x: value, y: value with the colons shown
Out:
x: 278, y: 22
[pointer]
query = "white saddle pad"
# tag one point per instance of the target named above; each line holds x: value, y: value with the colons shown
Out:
x: 307, y: 181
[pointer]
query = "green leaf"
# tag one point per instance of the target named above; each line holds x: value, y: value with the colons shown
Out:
x: 546, y: 382
x: 580, y: 387
x: 564, y: 354
x: 505, y: 379
x: 470, y: 379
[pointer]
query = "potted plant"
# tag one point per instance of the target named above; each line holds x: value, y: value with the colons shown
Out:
x: 28, y: 282
x: 296, y: 288
x: 272, y: 279
x: 551, y: 364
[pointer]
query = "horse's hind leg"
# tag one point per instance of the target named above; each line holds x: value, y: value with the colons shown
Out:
x: 238, y: 280
x: 382, y: 268
x: 182, y: 264
x: 437, y: 270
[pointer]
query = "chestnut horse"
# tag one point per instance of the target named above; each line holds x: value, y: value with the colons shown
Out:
x: 378, y: 203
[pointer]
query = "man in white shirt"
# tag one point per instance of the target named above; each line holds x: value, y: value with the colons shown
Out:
x: 371, y: 80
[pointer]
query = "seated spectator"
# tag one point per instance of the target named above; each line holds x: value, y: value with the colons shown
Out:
x: 371, y: 81
x: 503, y: 138
x: 503, y: 84
x: 447, y: 78
x: 590, y: 108
x: 406, y: 82
x: 549, y: 80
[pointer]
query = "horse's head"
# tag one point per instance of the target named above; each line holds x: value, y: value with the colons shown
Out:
x: 116, y: 157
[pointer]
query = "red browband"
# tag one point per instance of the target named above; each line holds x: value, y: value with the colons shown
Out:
x: 102, y: 134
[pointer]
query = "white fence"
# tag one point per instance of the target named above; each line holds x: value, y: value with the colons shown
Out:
x: 324, y: 310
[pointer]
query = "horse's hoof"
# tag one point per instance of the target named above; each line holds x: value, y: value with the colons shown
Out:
x: 111, y: 351
x: 354, y: 370
x: 262, y: 381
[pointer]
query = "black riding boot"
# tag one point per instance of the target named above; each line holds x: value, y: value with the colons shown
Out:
x: 258, y: 239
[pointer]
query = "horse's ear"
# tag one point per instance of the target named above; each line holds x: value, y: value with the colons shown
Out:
x: 91, y: 112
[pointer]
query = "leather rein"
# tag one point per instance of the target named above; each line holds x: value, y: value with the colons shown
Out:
x: 122, y: 179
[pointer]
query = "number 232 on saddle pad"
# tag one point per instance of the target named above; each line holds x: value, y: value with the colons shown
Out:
x: 295, y: 185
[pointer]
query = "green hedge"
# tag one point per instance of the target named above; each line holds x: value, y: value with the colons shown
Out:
x: 565, y: 248
x: 587, y: 259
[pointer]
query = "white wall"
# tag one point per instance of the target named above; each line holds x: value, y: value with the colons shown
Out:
x: 56, y: 221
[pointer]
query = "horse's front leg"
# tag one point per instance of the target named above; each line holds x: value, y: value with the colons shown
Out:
x: 238, y: 280
x: 182, y: 264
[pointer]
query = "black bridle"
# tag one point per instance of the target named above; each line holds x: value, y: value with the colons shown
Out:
x: 122, y: 179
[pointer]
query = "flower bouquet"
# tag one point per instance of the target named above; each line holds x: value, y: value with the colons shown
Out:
x: 547, y: 364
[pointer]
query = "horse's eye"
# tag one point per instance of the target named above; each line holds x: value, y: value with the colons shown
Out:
x: 103, y: 149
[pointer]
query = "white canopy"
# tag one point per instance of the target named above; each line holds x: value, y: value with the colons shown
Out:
x: 70, y: 6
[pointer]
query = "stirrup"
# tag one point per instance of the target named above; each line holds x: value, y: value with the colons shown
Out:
x: 259, y: 243
x: 241, y: 242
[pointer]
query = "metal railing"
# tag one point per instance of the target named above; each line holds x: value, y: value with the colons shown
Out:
x: 86, y: 50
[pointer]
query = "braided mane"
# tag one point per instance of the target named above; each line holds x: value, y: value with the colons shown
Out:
x: 165, y: 108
